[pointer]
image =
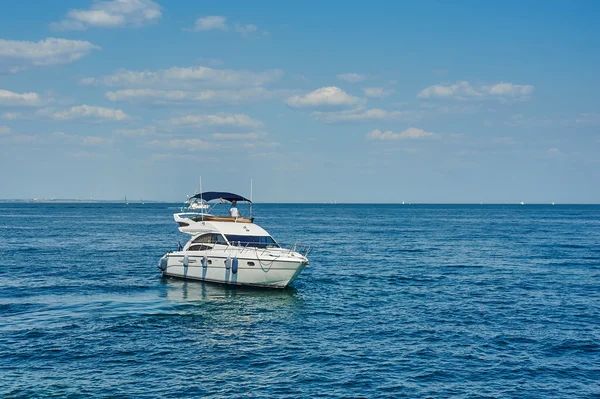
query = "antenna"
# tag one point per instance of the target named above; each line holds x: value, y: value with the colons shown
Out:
x: 201, y: 201
x: 250, y: 198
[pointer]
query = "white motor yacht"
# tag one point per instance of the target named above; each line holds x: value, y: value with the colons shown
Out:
x: 231, y: 250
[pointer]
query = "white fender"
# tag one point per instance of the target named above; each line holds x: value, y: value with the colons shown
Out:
x: 162, y: 264
x: 234, y: 265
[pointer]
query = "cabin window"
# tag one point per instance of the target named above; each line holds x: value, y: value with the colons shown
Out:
x: 250, y: 263
x: 252, y: 241
x: 199, y: 247
x: 211, y: 238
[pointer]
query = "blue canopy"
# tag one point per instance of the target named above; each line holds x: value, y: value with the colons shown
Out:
x: 213, y: 195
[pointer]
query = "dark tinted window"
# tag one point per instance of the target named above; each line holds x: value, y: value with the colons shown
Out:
x: 252, y: 241
x: 199, y: 247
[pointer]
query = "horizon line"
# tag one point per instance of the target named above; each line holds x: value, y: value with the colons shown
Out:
x: 117, y: 201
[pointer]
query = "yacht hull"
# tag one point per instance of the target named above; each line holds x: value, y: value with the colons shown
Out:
x: 249, y: 272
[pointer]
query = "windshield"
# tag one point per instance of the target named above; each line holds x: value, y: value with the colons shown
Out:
x: 252, y: 241
x: 211, y: 238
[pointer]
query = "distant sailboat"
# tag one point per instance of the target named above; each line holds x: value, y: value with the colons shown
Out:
x: 522, y: 203
x: 141, y: 200
x: 126, y: 203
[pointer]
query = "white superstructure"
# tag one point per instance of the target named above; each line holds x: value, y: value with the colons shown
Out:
x: 231, y: 250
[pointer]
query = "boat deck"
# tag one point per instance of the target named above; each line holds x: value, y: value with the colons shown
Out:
x: 213, y: 218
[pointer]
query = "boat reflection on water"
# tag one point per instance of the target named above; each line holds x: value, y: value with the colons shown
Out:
x: 190, y: 291
x: 227, y: 316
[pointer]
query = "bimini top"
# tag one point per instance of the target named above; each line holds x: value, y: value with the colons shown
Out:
x: 213, y: 195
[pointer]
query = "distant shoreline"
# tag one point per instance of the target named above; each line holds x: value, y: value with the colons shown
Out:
x: 92, y: 201
x: 77, y: 201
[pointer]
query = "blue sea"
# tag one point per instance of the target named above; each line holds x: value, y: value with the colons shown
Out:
x: 467, y: 301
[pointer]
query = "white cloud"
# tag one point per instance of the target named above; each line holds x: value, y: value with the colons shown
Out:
x: 19, y: 139
x: 111, y: 14
x: 216, y: 22
x: 454, y: 109
x: 522, y: 120
x: 183, y: 77
x: 213, y: 22
x: 24, y: 138
x: 88, y: 81
x: 144, y: 131
x: 214, y: 96
x: 184, y: 144
x: 580, y: 120
x: 458, y: 90
x: 15, y: 99
x: 223, y: 119
x: 19, y: 54
x: 239, y: 136
x: 95, y: 140
x: 352, y: 77
x: 464, y: 90
x: 83, y: 140
x: 588, y: 119
x: 325, y: 96
x: 147, y: 94
x: 359, y: 114
x: 260, y: 144
x: 171, y: 156
x: 509, y: 90
x: 377, y: 92
x: 409, y: 134
x: 12, y: 115
x: 87, y: 111
x: 4, y: 130
x: 555, y: 153
x: 84, y: 154
x: 245, y: 30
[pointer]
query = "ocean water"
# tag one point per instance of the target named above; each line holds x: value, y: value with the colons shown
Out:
x: 475, y: 301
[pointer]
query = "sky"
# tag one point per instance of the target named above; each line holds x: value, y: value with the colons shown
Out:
x: 347, y: 101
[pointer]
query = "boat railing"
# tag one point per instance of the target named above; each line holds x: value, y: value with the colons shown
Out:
x: 303, y: 249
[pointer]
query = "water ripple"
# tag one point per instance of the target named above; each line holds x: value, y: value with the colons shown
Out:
x: 399, y: 301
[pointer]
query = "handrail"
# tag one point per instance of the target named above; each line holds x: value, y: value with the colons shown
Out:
x: 252, y: 244
x: 303, y: 249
